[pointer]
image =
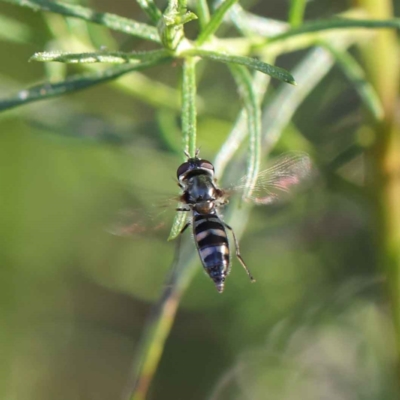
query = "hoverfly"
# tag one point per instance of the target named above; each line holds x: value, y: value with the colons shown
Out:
x: 203, y: 198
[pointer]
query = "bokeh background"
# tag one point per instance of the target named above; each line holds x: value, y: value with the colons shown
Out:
x: 74, y: 297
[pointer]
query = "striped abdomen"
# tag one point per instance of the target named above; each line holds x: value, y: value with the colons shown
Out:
x: 213, y: 247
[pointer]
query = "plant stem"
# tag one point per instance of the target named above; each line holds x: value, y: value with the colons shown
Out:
x: 203, y: 13
x: 381, y: 54
x: 296, y: 12
x: 189, y: 105
x: 160, y: 322
x: 189, y: 128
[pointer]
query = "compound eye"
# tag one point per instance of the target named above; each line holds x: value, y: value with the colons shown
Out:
x: 182, y: 169
x: 207, y: 165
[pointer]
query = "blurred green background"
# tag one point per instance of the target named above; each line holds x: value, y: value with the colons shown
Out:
x: 74, y: 297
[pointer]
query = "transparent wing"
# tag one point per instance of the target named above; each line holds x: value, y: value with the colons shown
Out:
x: 285, y: 172
x: 143, y: 219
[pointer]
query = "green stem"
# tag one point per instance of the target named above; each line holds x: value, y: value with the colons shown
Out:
x: 296, y: 12
x: 189, y: 128
x: 189, y: 105
x: 160, y: 321
x: 203, y: 13
x: 382, y: 59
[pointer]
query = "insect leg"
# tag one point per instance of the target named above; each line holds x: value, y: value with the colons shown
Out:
x: 238, y: 255
x: 184, y: 228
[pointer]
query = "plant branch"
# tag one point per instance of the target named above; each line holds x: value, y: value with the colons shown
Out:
x: 188, y: 128
x: 189, y: 105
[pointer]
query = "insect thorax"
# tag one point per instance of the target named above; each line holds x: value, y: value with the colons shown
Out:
x: 199, y: 188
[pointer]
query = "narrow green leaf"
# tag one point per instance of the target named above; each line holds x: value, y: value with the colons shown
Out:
x: 253, y: 63
x: 336, y: 23
x: 215, y: 21
x: 114, y: 57
x: 296, y: 12
x: 244, y: 82
x: 72, y: 84
x: 150, y: 9
x: 357, y: 76
x: 111, y: 21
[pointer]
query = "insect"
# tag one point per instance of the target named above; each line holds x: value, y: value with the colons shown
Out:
x: 203, y: 198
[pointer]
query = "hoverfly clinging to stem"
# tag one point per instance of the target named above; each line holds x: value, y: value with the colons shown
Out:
x: 203, y: 198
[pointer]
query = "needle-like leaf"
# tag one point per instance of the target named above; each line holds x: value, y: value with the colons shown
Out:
x: 253, y: 63
x: 336, y: 23
x: 73, y: 83
x: 114, y: 57
x: 111, y: 21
